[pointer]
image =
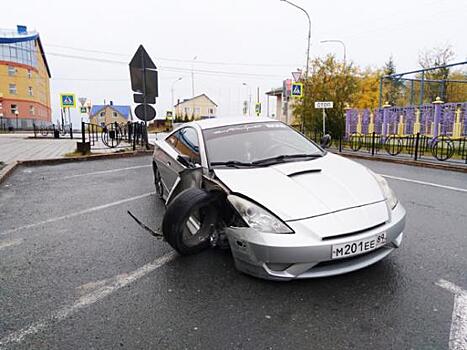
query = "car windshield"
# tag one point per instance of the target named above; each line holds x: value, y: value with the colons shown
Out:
x: 257, y: 144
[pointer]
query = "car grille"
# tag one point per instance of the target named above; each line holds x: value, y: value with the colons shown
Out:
x: 353, y: 233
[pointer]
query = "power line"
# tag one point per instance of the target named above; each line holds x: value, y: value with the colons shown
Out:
x: 168, y: 68
x: 180, y: 60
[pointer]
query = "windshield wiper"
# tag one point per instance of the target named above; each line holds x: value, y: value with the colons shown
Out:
x: 285, y: 157
x: 232, y: 163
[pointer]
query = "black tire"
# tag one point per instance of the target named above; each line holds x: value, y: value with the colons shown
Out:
x: 194, y: 204
x: 158, y: 181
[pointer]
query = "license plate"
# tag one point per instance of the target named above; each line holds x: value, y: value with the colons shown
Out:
x: 345, y: 250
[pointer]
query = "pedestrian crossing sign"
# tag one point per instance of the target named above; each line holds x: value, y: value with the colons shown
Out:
x: 67, y: 101
x: 297, y: 90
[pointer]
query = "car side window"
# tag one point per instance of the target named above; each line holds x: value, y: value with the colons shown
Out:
x: 185, y: 141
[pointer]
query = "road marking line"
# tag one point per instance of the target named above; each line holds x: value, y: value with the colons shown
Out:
x: 81, y: 212
x: 10, y: 243
x: 107, y: 171
x: 426, y: 183
x: 458, y: 334
x: 100, y: 293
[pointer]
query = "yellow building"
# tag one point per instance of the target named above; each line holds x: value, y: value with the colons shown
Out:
x: 199, y: 107
x: 24, y: 80
x: 107, y: 114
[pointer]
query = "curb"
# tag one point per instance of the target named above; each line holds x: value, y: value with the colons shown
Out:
x: 443, y: 166
x: 7, y: 171
x: 9, y: 168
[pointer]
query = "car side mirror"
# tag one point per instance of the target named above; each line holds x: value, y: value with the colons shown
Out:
x: 186, y: 161
x: 326, y: 141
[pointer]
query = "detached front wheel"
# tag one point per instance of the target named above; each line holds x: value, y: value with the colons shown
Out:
x: 190, y: 220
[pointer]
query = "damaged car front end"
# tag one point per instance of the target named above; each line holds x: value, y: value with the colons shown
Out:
x: 287, y: 216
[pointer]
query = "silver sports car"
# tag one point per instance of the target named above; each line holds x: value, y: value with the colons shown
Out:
x: 285, y: 206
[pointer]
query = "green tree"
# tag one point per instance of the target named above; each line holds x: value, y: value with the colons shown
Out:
x: 456, y: 91
x: 438, y: 56
x: 368, y: 89
x: 328, y: 80
x: 392, y: 87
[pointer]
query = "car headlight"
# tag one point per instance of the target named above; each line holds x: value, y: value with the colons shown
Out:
x: 257, y: 217
x: 388, y: 193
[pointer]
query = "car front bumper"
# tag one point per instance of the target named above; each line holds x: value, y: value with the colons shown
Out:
x: 303, y: 255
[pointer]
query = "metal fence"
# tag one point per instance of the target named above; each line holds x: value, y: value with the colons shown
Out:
x: 52, y: 130
x: 114, y: 135
x: 417, y: 146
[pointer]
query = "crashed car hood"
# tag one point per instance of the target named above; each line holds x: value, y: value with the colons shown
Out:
x: 304, y: 189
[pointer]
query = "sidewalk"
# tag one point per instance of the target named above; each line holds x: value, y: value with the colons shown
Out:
x: 15, y: 147
x: 22, y: 147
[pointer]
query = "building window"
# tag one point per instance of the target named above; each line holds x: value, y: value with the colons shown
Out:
x: 187, y: 110
x: 29, y: 74
x: 115, y: 114
x: 14, y: 109
x: 102, y: 114
x: 211, y: 110
x: 12, y: 89
x: 30, y: 91
x: 197, y: 110
x: 32, y: 111
x: 11, y: 71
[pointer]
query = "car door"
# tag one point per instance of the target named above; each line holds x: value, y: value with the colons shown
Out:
x: 183, y: 142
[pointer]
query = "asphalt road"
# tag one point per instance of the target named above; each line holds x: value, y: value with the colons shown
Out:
x: 76, y: 271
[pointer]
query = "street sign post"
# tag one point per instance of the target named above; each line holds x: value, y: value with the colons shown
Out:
x: 296, y: 75
x: 297, y: 90
x: 144, y: 81
x: 67, y: 100
x: 324, y: 105
x: 258, y: 109
x: 145, y: 112
x: 82, y: 101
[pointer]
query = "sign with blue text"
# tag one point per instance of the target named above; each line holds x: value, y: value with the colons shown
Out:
x: 297, y: 90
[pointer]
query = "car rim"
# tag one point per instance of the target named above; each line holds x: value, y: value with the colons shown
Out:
x: 198, y: 227
x: 159, y: 184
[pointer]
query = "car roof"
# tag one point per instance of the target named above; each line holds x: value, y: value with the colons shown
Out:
x: 218, y: 122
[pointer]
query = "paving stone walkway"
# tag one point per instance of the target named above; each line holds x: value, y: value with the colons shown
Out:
x: 19, y: 147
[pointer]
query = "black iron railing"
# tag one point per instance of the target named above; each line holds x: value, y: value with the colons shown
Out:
x: 417, y: 147
x: 113, y: 135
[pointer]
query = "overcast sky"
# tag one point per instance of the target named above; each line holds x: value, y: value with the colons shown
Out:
x: 258, y: 42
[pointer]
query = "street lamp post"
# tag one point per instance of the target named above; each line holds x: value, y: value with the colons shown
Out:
x: 249, y: 98
x: 307, y: 58
x: 309, y: 33
x: 193, y: 76
x: 172, y: 90
x: 337, y: 41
